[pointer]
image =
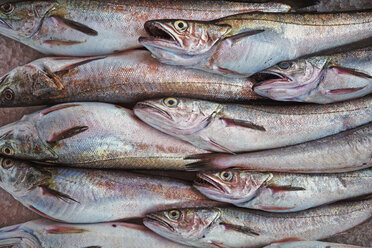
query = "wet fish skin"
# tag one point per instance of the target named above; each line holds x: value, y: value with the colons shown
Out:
x: 91, y: 196
x: 322, y: 79
x: 344, y: 152
x: 43, y: 233
x: 128, y: 77
x: 244, y: 44
x: 93, y: 135
x: 94, y: 27
x: 282, y: 192
x: 310, y: 244
x: 236, y: 227
x: 232, y: 128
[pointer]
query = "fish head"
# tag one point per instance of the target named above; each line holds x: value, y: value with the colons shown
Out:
x: 177, y: 116
x: 19, y: 177
x: 295, y: 79
x: 21, y: 140
x: 181, y: 42
x: 232, y: 186
x: 22, y: 19
x: 182, y: 225
x: 18, y: 237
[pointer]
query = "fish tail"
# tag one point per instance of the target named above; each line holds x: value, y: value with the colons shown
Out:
x: 206, y: 162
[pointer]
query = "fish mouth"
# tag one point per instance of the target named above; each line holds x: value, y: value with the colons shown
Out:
x: 203, y: 181
x: 161, y: 35
x: 154, y: 108
x: 269, y: 77
x: 151, y: 218
x: 4, y: 24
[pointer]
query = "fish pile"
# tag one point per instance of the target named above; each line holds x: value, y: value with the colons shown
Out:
x: 138, y: 89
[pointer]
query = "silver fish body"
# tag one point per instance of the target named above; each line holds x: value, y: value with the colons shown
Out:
x: 310, y: 244
x: 128, y: 77
x: 282, y: 192
x: 96, y: 135
x: 244, y: 44
x: 47, y: 234
x: 234, y: 128
x: 94, y: 27
x: 323, y: 79
x: 346, y: 151
x: 236, y: 227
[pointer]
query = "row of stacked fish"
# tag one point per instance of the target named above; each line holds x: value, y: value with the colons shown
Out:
x: 269, y: 173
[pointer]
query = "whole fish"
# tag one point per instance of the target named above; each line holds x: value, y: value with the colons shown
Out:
x: 282, y: 192
x: 92, y: 196
x: 323, y: 79
x: 310, y: 244
x: 346, y: 151
x: 243, y: 44
x: 123, y: 78
x: 47, y: 234
x: 237, y: 128
x: 96, y: 27
x: 236, y: 227
x: 98, y: 135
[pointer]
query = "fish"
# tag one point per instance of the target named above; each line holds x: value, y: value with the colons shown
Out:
x: 75, y: 195
x: 310, y: 244
x: 282, y: 192
x: 237, y: 227
x: 244, y: 44
x: 44, y: 233
x: 320, y: 79
x: 97, y: 27
x: 344, y: 152
x: 124, y: 78
x: 234, y: 128
x: 92, y: 135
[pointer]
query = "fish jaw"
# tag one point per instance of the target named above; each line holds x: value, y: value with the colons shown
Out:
x: 18, y: 237
x: 210, y: 187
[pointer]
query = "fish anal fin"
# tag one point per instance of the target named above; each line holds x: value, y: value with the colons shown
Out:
x: 241, y: 229
x: 54, y: 193
x: 283, y: 188
x: 290, y: 239
x: 344, y: 91
x: 242, y: 123
x: 221, y: 148
x: 350, y: 71
x: 75, y: 25
x: 59, y: 229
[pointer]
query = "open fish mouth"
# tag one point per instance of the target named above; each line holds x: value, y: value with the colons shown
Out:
x: 203, y: 181
x: 266, y: 78
x: 153, y: 108
x: 160, y: 35
x: 150, y: 218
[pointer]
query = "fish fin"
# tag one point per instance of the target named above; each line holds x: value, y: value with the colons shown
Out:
x: 218, y: 146
x: 230, y: 72
x: 64, y: 68
x: 55, y: 193
x: 56, y: 108
x: 75, y: 25
x: 299, y: 4
x: 205, y: 162
x: 242, y: 123
x: 242, y: 229
x: 62, y: 42
x: 94, y: 246
x: 344, y: 91
x: 59, y: 229
x: 286, y: 240
x: 67, y: 133
x: 350, y: 71
x: 240, y: 36
x: 57, y: 80
x: 281, y: 188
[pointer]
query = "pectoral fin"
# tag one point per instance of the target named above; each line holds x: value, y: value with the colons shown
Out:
x: 47, y: 83
x: 75, y: 25
x: 242, y: 229
x: 240, y: 36
x: 65, y: 230
x: 51, y: 192
x: 351, y: 71
x: 344, y: 91
x: 221, y: 148
x: 243, y: 123
x: 281, y: 188
x: 64, y: 134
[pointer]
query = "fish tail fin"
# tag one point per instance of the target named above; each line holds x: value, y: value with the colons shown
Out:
x: 205, y: 162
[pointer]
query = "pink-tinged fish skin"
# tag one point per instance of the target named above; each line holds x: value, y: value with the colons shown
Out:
x: 344, y: 152
x: 282, y: 192
x: 310, y: 244
x: 91, y: 196
x: 96, y: 135
x: 236, y: 227
x: 95, y: 27
x: 43, y: 233
x: 232, y: 128
x: 323, y: 79
x: 128, y: 77
x: 244, y: 44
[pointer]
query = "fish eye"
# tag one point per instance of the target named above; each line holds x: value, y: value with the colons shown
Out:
x: 7, y: 8
x: 8, y: 95
x: 285, y: 65
x: 226, y: 175
x: 174, y: 214
x: 7, y: 163
x: 8, y: 151
x: 170, y: 102
x: 181, y: 26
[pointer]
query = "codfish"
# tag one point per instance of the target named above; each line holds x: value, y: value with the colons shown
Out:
x: 93, y: 135
x: 128, y: 77
x: 96, y: 27
x: 282, y: 192
x: 344, y: 152
x: 310, y: 244
x: 236, y: 227
x: 47, y: 234
x: 322, y: 79
x: 232, y: 128
x: 244, y: 44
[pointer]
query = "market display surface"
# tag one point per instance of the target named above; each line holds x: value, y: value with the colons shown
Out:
x: 110, y: 161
